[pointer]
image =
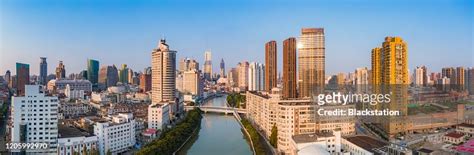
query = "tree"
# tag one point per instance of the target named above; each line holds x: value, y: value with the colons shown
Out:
x: 274, y: 136
x: 108, y: 152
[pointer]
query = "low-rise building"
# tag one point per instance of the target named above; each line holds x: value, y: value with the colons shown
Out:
x: 115, y: 133
x: 74, y: 109
x: 454, y: 138
x: 329, y: 141
x: 74, y: 141
x: 60, y: 84
x: 362, y: 145
x: 465, y: 128
x: 158, y: 116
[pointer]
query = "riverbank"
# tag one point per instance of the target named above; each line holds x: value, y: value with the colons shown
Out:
x: 170, y: 141
x: 254, y: 138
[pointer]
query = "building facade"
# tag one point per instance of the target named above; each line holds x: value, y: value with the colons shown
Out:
x: 93, y: 71
x: 22, y: 78
x: 163, y: 77
x: 311, y: 62
x: 60, y: 71
x: 271, y: 70
x: 43, y: 71
x: 256, y: 77
x: 289, y: 68
x: 116, y: 133
x: 158, y: 116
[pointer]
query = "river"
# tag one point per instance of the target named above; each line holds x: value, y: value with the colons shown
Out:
x: 219, y: 134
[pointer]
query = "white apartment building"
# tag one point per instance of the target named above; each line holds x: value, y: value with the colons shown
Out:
x: 60, y: 85
x: 115, y: 133
x: 256, y: 77
x: 323, y: 142
x: 71, y: 140
x: 74, y: 109
x: 35, y: 118
x: 158, y: 116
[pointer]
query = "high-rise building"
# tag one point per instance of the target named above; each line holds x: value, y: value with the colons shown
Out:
x: 390, y: 74
x: 8, y: 77
x: 22, y: 77
x: 192, y: 83
x: 60, y: 71
x: 108, y: 76
x: 130, y: 75
x: 270, y: 65
x: 163, y: 66
x: 361, y: 80
x: 233, y: 77
x: 470, y: 80
x: 186, y: 64
x: 145, y: 80
x: 447, y: 72
x: 243, y: 74
x: 123, y: 74
x: 93, y: 71
x: 289, y: 68
x: 420, y: 76
x: 35, y: 119
x: 311, y: 62
x: 222, y: 69
x: 207, y: 65
x: 256, y: 77
x: 43, y: 71
x: 460, y: 78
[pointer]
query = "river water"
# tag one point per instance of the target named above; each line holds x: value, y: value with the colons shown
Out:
x: 219, y: 134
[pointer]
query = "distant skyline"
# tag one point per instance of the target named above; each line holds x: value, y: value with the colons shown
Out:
x: 439, y: 33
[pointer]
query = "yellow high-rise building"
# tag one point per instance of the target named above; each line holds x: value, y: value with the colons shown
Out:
x: 390, y: 76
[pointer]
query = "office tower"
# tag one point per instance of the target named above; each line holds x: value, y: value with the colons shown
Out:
x: 233, y: 77
x: 243, y: 74
x: 256, y: 77
x: 43, y: 71
x: 270, y: 65
x: 123, y: 74
x: 22, y: 78
x: 361, y: 80
x: 289, y: 68
x: 207, y: 65
x: 163, y: 66
x: 222, y: 69
x: 158, y: 116
x: 311, y: 62
x: 390, y: 65
x: 60, y: 71
x: 83, y: 74
x: 420, y: 76
x: 130, y: 75
x: 460, y: 78
x: 108, y: 76
x: 192, y: 83
x: 35, y: 118
x: 7, y: 77
x: 93, y: 71
x: 186, y: 64
x: 470, y: 80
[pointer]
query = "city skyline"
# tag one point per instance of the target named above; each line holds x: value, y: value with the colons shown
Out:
x: 358, y: 42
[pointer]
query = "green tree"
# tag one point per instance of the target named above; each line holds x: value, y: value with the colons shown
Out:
x: 274, y: 136
x: 108, y: 152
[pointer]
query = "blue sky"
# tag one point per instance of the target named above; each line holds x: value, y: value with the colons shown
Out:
x: 439, y: 33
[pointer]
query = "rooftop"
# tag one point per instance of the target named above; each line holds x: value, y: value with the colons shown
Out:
x: 311, y: 137
x: 69, y: 131
x: 366, y: 142
x: 425, y: 150
x: 454, y: 135
x: 466, y: 125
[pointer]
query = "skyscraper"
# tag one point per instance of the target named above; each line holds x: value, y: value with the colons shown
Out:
x: 376, y: 68
x: 460, y: 78
x: 43, y: 71
x: 289, y: 68
x: 61, y: 71
x: 270, y: 65
x: 392, y: 78
x: 256, y: 73
x: 123, y: 74
x: 22, y: 78
x: 222, y: 68
x: 470, y: 80
x: 207, y: 65
x: 7, y: 77
x: 163, y: 66
x: 108, y: 76
x: 243, y: 75
x: 145, y: 80
x: 311, y: 62
x: 93, y: 71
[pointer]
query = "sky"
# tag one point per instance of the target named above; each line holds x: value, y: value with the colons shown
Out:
x: 439, y: 33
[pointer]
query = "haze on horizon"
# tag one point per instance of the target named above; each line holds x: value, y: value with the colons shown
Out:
x: 439, y: 33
